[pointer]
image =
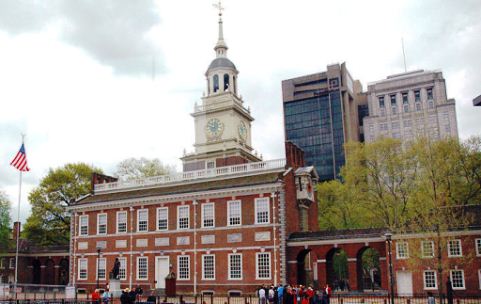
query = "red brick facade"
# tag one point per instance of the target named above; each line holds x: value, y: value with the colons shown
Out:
x: 257, y: 241
x: 409, y: 266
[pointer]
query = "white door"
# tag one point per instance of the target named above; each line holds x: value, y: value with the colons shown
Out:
x: 404, y: 283
x: 161, y: 270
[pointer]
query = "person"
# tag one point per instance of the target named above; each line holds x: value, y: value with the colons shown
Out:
x: 449, y: 291
x: 132, y: 295
x: 431, y: 298
x: 262, y: 295
x: 288, y: 298
x: 271, y: 295
x: 124, y: 297
x: 310, y: 294
x: 328, y: 293
x: 280, y: 294
x: 323, y: 296
x: 106, y: 296
x: 95, y: 296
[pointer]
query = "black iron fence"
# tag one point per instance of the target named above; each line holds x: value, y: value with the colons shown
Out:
x: 211, y: 299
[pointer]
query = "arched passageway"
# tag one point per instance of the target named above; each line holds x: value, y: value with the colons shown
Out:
x: 304, y: 268
x: 368, y: 269
x: 63, y: 272
x: 49, y: 272
x: 36, y: 271
x: 337, y: 273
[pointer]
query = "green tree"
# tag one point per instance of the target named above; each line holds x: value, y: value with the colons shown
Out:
x: 424, y: 187
x: 133, y: 168
x: 49, y: 223
x: 447, y: 183
x: 5, y: 222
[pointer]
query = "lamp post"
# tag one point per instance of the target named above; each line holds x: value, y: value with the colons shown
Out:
x: 388, y: 236
x: 98, y: 263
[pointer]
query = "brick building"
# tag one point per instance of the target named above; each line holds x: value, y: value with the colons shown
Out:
x: 45, y: 265
x: 221, y: 224
x: 414, y: 259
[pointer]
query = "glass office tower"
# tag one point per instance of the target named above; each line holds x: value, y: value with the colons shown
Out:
x: 320, y: 115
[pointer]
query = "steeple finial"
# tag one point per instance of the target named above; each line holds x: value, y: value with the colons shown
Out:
x: 221, y: 47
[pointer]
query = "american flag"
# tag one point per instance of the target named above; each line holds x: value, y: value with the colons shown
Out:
x: 20, y: 160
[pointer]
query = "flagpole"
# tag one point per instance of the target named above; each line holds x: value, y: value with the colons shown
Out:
x: 18, y: 226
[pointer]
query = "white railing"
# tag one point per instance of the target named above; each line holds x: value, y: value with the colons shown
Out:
x: 192, y: 175
x: 217, y: 105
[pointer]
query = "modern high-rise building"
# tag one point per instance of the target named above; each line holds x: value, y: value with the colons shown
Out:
x: 321, y: 114
x: 410, y: 105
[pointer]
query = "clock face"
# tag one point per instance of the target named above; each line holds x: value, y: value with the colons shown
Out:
x: 242, y: 130
x: 214, y: 128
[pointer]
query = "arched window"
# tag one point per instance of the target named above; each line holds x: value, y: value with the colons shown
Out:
x: 234, y: 83
x: 226, y: 82
x: 216, y: 83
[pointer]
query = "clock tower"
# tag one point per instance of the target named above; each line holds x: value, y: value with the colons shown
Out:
x: 222, y: 123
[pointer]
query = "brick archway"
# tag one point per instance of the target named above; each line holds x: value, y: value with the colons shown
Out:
x: 324, y: 244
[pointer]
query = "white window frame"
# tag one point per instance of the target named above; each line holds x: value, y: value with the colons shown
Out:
x: 11, y: 264
x: 80, y: 262
x: 119, y: 222
x: 402, y: 257
x: 258, y: 201
x: 452, y: 281
x: 104, y: 268
x: 98, y: 223
x: 477, y: 244
x: 229, y: 203
x: 139, y: 211
x: 178, y: 216
x: 80, y: 226
x: 179, y: 278
x: 230, y: 266
x: 123, y: 276
x: 146, y: 268
x: 257, y: 265
x: 423, y: 254
x: 204, y: 256
x: 203, y: 215
x: 435, y: 280
x: 460, y: 249
x: 166, y: 218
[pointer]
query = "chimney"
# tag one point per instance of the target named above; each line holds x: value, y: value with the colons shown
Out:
x: 16, y: 229
x: 98, y: 178
x: 294, y: 155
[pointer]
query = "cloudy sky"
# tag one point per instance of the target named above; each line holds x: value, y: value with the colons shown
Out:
x: 99, y: 81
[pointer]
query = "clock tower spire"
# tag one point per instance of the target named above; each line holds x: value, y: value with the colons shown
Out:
x: 222, y: 123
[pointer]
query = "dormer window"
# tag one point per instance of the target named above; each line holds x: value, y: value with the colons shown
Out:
x: 226, y: 82
x: 216, y: 83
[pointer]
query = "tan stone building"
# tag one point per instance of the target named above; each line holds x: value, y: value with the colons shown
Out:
x: 409, y: 105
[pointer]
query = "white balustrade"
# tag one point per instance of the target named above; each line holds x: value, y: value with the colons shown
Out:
x: 192, y: 175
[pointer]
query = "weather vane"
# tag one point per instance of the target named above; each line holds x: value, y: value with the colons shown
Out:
x: 219, y: 7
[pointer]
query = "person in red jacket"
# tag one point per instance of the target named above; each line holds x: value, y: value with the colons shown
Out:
x: 96, y: 296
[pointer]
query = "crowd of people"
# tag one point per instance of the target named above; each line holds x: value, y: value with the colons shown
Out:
x: 128, y: 296
x: 294, y: 294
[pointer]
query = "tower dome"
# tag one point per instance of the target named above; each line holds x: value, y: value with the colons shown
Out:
x: 222, y: 73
